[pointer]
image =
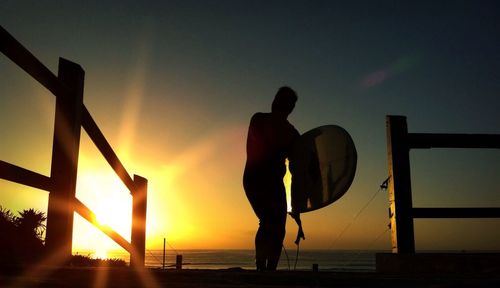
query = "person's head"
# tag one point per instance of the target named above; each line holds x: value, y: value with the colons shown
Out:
x: 284, y: 101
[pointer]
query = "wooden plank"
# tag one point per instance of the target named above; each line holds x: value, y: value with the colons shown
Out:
x: 102, y: 144
x: 472, y: 212
x: 400, y: 198
x: 23, y: 176
x: 139, y: 209
x: 429, y: 140
x: 65, y: 149
x: 88, y: 215
x: 16, y: 52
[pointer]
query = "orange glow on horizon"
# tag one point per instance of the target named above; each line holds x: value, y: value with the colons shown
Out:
x: 174, y: 210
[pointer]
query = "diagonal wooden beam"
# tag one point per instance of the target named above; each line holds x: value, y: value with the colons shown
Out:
x: 90, y: 216
x: 16, y: 52
x: 104, y: 147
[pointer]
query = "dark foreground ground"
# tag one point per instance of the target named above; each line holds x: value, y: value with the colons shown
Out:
x: 126, y: 277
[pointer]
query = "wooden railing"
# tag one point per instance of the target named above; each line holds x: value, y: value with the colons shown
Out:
x: 71, y: 115
x: 401, y: 210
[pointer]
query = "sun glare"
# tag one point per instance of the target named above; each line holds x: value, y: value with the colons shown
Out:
x: 101, y: 252
x: 111, y: 202
x: 115, y: 210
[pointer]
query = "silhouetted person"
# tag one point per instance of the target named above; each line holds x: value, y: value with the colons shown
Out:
x: 269, y: 142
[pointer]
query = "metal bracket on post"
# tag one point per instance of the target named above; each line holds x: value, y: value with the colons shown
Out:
x: 398, y: 150
x: 65, y: 160
x: 139, y: 208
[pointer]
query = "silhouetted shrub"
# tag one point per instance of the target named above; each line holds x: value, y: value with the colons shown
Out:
x: 85, y: 261
x: 21, y: 237
x: 22, y: 241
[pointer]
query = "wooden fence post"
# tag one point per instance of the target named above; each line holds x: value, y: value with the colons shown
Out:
x: 139, y: 208
x: 65, y: 160
x: 400, y: 209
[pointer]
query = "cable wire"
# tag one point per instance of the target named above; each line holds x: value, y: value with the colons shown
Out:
x: 152, y: 255
x: 382, y: 186
x: 349, y: 224
x: 176, y: 252
x: 287, y: 258
x: 296, y: 257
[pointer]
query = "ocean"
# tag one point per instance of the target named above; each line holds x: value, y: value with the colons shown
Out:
x: 327, y: 260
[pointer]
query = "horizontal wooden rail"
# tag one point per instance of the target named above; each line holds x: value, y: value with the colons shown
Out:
x: 102, y: 144
x: 476, y: 212
x: 428, y: 140
x: 86, y: 213
x: 16, y: 52
x: 23, y: 176
x: 29, y: 63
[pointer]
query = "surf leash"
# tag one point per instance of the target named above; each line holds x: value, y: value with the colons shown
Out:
x: 300, y: 232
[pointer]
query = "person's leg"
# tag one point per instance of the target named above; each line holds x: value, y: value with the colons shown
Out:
x: 270, y: 208
x: 260, y: 248
x: 260, y: 208
x: 276, y: 237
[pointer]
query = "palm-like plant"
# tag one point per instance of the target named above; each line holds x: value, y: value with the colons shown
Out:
x: 6, y: 221
x: 31, y: 223
x: 21, y: 237
x: 6, y: 216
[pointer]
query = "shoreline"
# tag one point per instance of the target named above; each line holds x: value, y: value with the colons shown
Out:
x: 331, y: 260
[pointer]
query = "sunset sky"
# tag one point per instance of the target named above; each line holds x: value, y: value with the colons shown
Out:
x: 173, y: 84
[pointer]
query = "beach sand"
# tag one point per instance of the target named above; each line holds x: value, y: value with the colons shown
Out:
x: 126, y: 277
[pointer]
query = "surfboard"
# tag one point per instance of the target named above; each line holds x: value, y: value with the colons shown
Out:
x: 323, y: 164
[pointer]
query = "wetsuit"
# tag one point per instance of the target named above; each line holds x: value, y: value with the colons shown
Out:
x: 269, y: 142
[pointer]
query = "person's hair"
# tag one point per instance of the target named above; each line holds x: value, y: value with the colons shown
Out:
x: 284, y: 100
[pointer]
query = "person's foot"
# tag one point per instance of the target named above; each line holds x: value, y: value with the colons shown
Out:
x: 261, y: 265
x: 272, y: 265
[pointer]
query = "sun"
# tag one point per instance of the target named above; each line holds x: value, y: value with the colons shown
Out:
x: 101, y: 252
x: 111, y: 202
x: 115, y: 210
